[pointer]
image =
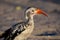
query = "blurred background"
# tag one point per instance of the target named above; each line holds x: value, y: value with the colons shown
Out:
x: 46, y: 28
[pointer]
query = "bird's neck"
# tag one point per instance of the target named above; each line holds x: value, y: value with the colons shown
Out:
x: 30, y: 20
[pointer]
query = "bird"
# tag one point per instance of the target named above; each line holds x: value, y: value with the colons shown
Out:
x: 23, y: 29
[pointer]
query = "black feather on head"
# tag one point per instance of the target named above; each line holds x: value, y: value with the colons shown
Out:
x: 27, y: 8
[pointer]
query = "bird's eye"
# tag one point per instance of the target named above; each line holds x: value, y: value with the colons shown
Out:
x: 32, y: 10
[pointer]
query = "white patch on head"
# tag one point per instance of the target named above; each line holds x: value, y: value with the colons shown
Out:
x: 31, y: 10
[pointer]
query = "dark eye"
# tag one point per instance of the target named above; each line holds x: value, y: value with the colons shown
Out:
x: 32, y: 10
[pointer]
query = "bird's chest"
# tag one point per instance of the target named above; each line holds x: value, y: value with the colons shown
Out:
x: 26, y: 33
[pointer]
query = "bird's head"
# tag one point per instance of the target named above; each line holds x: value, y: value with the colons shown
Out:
x: 31, y: 11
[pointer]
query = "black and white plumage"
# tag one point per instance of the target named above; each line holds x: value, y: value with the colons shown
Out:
x: 22, y: 30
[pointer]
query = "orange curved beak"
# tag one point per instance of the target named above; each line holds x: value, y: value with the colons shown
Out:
x: 38, y: 11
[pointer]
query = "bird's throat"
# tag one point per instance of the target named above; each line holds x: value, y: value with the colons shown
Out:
x: 30, y: 20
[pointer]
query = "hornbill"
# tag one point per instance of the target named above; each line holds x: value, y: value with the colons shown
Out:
x: 22, y: 30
